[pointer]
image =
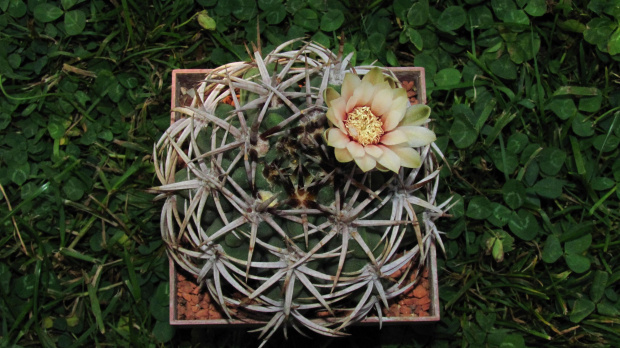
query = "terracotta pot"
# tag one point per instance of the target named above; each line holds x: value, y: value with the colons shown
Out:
x: 420, y: 305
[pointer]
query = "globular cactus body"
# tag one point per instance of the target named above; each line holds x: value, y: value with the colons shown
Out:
x: 257, y: 204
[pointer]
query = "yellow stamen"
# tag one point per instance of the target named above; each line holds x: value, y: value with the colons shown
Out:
x: 363, y: 126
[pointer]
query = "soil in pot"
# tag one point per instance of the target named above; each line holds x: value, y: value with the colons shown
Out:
x: 195, y: 303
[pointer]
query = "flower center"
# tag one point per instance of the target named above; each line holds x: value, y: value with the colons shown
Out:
x: 364, y: 126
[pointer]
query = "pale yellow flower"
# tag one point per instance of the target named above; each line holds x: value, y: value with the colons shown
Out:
x: 373, y: 125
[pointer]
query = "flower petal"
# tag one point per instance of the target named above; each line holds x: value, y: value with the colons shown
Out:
x: 382, y: 100
x: 418, y: 136
x: 350, y: 83
x: 336, y: 138
x: 395, y: 137
x: 369, y: 94
x: 373, y: 150
x: 366, y: 163
x: 343, y: 155
x: 356, y: 149
x: 416, y: 115
x: 374, y: 76
x: 336, y: 113
x: 331, y: 116
x: 381, y: 168
x: 389, y: 159
x: 392, y: 118
x: 329, y: 95
x: 361, y: 96
x: 409, y: 157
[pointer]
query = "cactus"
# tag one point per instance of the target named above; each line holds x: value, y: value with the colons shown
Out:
x: 256, y: 203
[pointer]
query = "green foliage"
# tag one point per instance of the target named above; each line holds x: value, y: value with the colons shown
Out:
x: 533, y: 145
x: 526, y: 109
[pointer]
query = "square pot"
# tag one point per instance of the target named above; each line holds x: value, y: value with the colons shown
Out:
x: 183, y: 81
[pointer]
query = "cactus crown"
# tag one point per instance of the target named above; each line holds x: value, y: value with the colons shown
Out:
x: 257, y: 204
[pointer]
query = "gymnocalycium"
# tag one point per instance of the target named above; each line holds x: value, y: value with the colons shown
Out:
x: 277, y: 192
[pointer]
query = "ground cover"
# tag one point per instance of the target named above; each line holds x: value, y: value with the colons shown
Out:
x: 526, y: 107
